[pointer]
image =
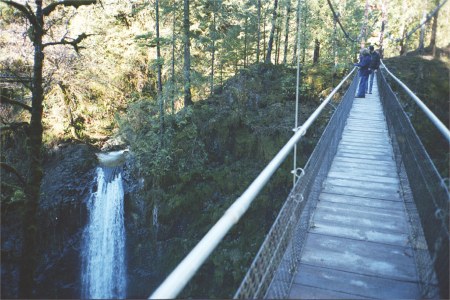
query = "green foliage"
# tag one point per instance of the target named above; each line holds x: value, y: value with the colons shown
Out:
x: 176, y: 156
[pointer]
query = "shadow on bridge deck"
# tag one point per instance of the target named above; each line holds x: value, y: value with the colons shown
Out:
x: 358, y: 242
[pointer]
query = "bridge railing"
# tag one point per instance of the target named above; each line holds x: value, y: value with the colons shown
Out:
x: 425, y: 193
x: 179, y: 277
x: 271, y: 273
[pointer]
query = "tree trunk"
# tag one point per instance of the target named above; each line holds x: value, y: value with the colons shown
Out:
x: 403, y: 41
x: 258, y: 36
x: 272, y: 33
x: 286, y: 32
x: 363, y: 32
x: 335, y: 56
x: 29, y: 251
x: 278, y: 42
x: 383, y: 25
x: 316, y: 51
x: 422, y: 33
x: 221, y: 74
x: 245, y: 42
x: 187, y: 56
x: 305, y: 23
x: 297, y: 34
x: 172, y: 75
x: 159, y: 83
x: 213, y: 49
x: 432, y: 45
x: 264, y: 39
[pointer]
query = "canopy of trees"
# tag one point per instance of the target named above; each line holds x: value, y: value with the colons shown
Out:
x: 118, y: 60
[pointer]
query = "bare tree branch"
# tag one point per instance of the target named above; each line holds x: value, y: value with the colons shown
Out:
x: 75, y: 3
x: 25, y: 81
x: 11, y: 169
x: 13, y: 126
x: 5, y: 100
x: 74, y: 43
x: 24, y: 9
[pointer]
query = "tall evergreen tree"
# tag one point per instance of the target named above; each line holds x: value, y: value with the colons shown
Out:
x: 159, y: 77
x: 286, y: 31
x: 258, y: 34
x: 383, y: 25
x: 272, y: 32
x: 297, y: 34
x: 432, y: 45
x: 35, y: 135
x: 187, y: 55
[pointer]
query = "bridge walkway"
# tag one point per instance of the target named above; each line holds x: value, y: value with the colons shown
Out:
x: 358, y: 242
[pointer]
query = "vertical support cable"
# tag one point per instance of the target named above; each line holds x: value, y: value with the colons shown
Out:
x: 297, y: 93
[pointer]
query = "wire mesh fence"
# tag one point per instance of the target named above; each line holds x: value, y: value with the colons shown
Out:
x: 274, y: 266
x: 426, y: 197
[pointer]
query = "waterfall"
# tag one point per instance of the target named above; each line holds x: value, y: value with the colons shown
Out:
x: 103, y: 263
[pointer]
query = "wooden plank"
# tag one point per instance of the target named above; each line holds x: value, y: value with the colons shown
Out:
x: 368, y: 162
x: 367, y: 151
x: 364, y: 138
x: 361, y: 233
x: 373, y: 132
x: 370, y: 155
x: 370, y: 147
x: 362, y: 176
x: 367, y: 144
x: 386, y: 211
x: 361, y: 257
x: 360, y: 218
x: 353, y: 116
x: 362, y: 168
x: 379, y: 225
x: 357, y: 183
x: 350, y: 283
x: 308, y: 292
x: 377, y: 125
x: 361, y: 201
x: 361, y: 192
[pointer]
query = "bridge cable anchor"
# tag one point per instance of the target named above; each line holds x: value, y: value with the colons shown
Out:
x: 297, y: 175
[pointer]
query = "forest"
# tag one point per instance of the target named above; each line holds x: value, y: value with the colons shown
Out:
x: 201, y: 95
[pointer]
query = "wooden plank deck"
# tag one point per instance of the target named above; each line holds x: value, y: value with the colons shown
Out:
x: 358, y: 245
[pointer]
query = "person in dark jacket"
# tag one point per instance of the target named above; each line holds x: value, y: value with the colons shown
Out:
x: 364, y: 64
x: 374, y: 66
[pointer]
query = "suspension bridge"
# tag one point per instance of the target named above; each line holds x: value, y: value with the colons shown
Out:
x: 367, y: 216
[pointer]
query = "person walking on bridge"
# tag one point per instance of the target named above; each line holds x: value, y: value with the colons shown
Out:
x: 364, y: 64
x: 374, y: 66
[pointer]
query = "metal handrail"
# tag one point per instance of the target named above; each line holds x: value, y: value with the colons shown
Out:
x: 179, y: 277
x: 439, y: 125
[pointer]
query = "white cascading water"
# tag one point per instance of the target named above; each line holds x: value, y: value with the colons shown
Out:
x: 103, y: 263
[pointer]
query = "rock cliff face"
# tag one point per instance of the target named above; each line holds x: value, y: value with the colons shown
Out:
x: 69, y: 171
x: 67, y: 185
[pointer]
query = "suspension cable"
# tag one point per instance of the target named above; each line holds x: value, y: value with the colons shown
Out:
x: 297, y: 94
x: 431, y: 116
x: 336, y: 17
